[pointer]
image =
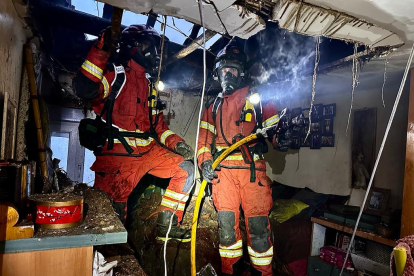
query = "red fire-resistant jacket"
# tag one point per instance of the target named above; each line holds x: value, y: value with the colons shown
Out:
x: 131, y: 106
x: 211, y: 130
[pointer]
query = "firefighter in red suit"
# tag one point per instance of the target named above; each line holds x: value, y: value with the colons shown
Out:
x: 241, y: 180
x: 164, y: 154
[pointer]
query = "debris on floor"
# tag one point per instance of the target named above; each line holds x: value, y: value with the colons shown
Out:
x: 99, y: 216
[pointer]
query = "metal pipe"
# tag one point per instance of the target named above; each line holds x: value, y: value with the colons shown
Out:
x: 36, y: 112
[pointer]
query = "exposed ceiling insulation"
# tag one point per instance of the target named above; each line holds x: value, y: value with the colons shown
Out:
x: 305, y: 18
x: 220, y: 16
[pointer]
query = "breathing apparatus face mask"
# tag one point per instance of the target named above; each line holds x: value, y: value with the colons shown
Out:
x: 230, y: 75
x: 145, y: 53
x: 229, y: 79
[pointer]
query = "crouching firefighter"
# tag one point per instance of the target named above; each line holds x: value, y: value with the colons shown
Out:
x: 134, y: 139
x: 241, y: 179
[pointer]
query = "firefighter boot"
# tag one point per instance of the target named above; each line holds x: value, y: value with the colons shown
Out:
x: 176, y: 233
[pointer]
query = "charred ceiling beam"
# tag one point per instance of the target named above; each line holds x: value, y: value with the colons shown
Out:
x: 152, y: 19
x: 193, y: 34
x: 70, y: 18
x: 107, y: 11
x: 190, y: 48
x: 363, y: 56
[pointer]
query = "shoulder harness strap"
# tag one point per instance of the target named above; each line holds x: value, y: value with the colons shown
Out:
x: 216, y: 105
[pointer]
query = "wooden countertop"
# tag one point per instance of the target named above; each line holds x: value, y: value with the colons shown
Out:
x: 344, y: 228
x: 100, y: 226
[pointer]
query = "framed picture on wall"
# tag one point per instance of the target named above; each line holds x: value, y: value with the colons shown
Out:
x: 328, y: 126
x: 304, y: 143
x: 377, y: 201
x: 328, y: 140
x: 295, y: 112
x: 295, y: 142
x: 315, y: 141
x: 305, y: 113
x: 316, y: 127
x: 329, y: 110
x: 317, y: 111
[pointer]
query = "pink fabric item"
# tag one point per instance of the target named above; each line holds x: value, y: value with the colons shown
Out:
x: 408, y: 244
x: 335, y: 256
x: 299, y: 267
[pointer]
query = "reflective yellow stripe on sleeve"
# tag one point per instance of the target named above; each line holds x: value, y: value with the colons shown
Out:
x: 106, y: 87
x: 202, y: 150
x: 92, y: 69
x: 165, y: 135
x: 271, y: 121
x: 205, y: 125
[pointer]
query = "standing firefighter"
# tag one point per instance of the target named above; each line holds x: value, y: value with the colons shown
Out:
x: 161, y: 153
x: 235, y: 113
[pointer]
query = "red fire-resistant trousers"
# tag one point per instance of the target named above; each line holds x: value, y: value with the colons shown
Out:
x: 118, y: 176
x: 230, y: 189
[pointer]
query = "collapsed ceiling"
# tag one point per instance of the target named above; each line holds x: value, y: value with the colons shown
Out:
x: 248, y: 18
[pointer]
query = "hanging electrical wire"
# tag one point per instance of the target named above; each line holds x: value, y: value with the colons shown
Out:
x: 385, y: 78
x: 162, y: 49
x: 354, y: 83
x: 181, y: 32
x: 394, y: 109
x: 317, y: 58
x: 200, y: 8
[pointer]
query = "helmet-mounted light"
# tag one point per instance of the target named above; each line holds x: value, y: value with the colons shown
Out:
x: 160, y: 86
x: 254, y: 98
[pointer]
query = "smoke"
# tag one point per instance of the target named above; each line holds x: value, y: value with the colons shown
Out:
x: 281, y: 61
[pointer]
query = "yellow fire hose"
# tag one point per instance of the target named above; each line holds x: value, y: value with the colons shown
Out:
x: 200, y: 196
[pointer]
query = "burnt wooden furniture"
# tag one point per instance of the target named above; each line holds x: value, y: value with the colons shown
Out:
x: 407, y: 220
x: 318, y: 267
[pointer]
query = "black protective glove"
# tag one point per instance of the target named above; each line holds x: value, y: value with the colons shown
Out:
x: 283, y: 141
x: 207, y: 170
x: 105, y: 39
x: 184, y: 150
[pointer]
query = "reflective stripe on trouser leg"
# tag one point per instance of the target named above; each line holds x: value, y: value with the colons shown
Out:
x: 260, y: 247
x: 181, y: 173
x: 231, y: 247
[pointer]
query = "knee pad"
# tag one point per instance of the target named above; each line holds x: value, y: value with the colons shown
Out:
x: 226, y: 220
x: 189, y: 168
x: 259, y: 234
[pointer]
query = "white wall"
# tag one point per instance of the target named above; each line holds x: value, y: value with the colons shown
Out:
x: 328, y: 170
x: 11, y: 50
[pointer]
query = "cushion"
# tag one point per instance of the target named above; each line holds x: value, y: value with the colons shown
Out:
x: 333, y: 199
x: 284, y: 209
x: 281, y: 191
x: 314, y: 200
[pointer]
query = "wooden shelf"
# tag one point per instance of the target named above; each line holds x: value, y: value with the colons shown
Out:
x: 343, y: 228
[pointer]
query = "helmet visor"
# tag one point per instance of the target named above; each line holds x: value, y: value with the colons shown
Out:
x: 224, y: 70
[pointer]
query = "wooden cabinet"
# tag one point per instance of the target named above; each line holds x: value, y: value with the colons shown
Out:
x: 321, y: 226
